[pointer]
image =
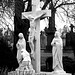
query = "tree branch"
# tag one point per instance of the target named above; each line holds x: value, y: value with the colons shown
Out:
x: 65, y: 3
x: 56, y: 3
x: 65, y: 10
x: 45, y: 4
x: 67, y: 14
x: 60, y: 16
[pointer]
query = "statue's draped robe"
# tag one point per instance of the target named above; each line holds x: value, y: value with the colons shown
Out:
x: 57, y: 53
x: 23, y: 56
x: 21, y: 44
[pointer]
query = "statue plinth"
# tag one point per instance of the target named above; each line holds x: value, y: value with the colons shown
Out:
x: 50, y: 73
x: 41, y: 73
x: 60, y: 73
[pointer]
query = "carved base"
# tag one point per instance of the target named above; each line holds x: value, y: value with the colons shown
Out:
x: 41, y: 73
x: 60, y: 74
x: 51, y: 73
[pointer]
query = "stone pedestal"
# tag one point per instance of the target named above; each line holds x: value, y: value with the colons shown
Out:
x: 41, y: 73
x: 50, y: 73
x: 60, y: 74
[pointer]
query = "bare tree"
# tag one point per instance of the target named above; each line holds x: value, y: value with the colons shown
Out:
x: 66, y: 5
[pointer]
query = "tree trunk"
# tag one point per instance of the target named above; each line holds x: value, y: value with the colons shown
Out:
x: 52, y: 20
x: 51, y: 29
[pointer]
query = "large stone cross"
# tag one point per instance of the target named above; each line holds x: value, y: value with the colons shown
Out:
x: 34, y: 17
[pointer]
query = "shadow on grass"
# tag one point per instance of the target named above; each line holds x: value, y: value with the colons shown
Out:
x: 68, y: 64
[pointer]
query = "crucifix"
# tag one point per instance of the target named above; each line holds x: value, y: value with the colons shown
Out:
x: 34, y: 17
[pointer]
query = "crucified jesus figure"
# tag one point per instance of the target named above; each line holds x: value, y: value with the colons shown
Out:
x: 31, y: 37
x: 32, y: 32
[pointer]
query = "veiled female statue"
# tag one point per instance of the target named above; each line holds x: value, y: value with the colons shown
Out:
x: 57, y: 53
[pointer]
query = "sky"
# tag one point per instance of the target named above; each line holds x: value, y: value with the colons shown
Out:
x: 43, y: 24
